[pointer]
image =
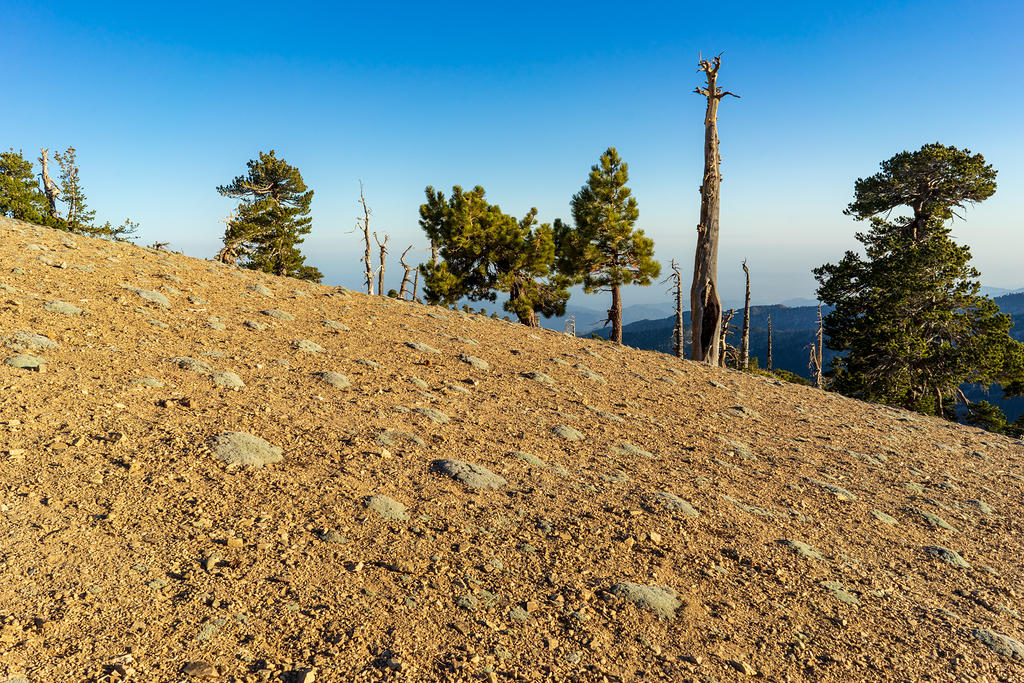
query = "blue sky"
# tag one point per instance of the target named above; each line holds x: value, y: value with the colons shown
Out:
x: 164, y: 101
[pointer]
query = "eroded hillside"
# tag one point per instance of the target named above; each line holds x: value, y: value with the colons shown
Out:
x: 462, y: 499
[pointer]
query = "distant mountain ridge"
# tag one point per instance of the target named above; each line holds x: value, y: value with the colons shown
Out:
x: 793, y: 331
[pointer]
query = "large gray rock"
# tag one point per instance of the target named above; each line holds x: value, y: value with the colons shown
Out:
x: 239, y: 448
x: 661, y: 600
x: 473, y: 476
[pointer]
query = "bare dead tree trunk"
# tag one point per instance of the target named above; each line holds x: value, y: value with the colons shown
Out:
x: 816, y: 352
x: 745, y: 336
x: 415, y: 285
x: 383, y: 253
x: 615, y: 315
x: 228, y: 254
x: 768, y: 365
x: 364, y: 224
x: 49, y: 187
x: 723, y: 345
x: 570, y: 325
x: 705, y: 301
x: 405, y: 276
x: 677, y: 292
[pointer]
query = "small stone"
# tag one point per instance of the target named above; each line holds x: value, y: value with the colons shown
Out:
x: 336, y: 380
x: 228, y: 380
x: 149, y: 295
x: 801, y: 548
x: 935, y: 521
x: 983, y: 507
x: 201, y: 670
x: 335, y: 325
x: 661, y: 600
x: 254, y: 325
x: 630, y: 449
x: 473, y: 476
x: 387, y: 507
x: 840, y: 592
x: 192, y: 364
x: 658, y: 501
x: 27, y: 362
x: 475, y: 362
x: 332, y: 536
x: 278, y: 314
x: 432, y: 414
x: 742, y: 667
x: 568, y: 433
x: 539, y: 377
x: 528, y: 458
x: 950, y: 557
x: 1000, y: 644
x: 63, y: 307
x: 467, y: 602
x: 29, y: 340
x: 884, y: 518
x: 239, y: 448
x: 422, y: 348
x: 307, y: 346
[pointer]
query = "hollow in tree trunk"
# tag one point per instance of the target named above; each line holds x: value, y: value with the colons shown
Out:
x: 705, y: 301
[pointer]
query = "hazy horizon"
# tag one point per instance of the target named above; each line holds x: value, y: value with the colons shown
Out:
x: 165, y: 103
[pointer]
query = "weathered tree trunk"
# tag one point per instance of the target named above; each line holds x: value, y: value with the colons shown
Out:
x: 678, y: 333
x: 49, y: 187
x: 364, y: 223
x: 723, y: 345
x: 705, y: 301
x: 433, y: 253
x: 816, y: 351
x: 615, y: 315
x: 415, y: 285
x: 405, y: 276
x: 768, y: 365
x: 745, y: 336
x: 383, y: 252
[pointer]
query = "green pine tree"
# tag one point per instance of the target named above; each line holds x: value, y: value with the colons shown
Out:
x: 605, y: 251
x: 78, y: 217
x: 20, y: 195
x: 271, y: 218
x: 484, y: 250
x: 908, y: 318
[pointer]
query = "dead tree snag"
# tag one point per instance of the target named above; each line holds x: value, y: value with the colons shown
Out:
x: 705, y: 301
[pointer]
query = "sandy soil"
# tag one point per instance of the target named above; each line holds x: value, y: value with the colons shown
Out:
x: 820, y: 548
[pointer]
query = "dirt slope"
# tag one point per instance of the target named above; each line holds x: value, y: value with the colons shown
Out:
x: 806, y: 537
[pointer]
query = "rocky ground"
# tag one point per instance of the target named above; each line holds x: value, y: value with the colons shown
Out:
x: 209, y: 473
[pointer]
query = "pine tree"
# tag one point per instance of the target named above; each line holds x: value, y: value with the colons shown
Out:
x: 483, y: 250
x: 271, y: 218
x: 78, y: 217
x: 908, y: 315
x: 20, y: 195
x: 604, y: 251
